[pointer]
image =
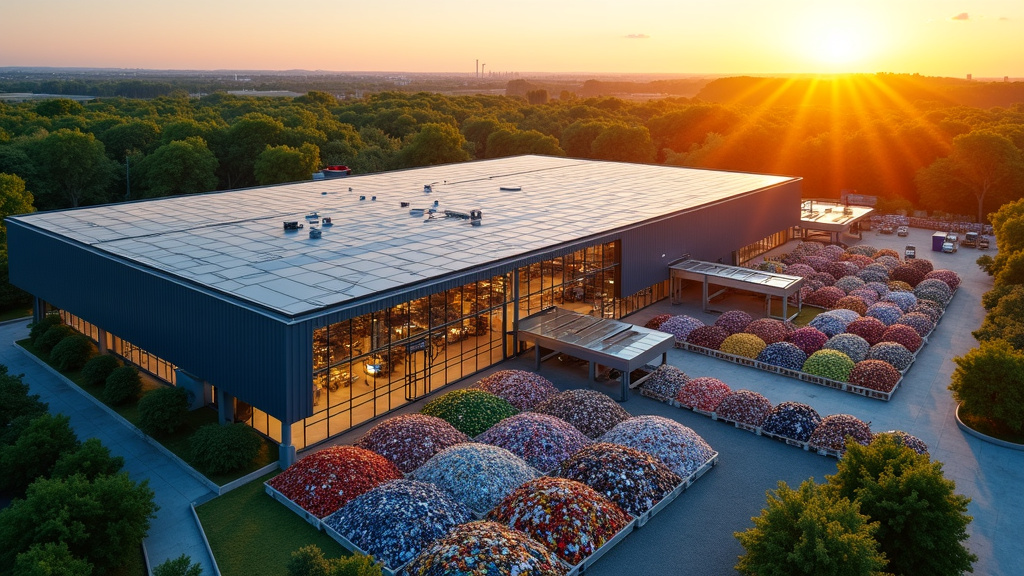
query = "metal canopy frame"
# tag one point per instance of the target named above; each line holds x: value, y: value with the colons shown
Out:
x: 770, y: 284
x: 603, y: 341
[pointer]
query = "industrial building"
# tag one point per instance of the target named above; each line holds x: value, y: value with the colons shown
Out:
x: 309, y: 308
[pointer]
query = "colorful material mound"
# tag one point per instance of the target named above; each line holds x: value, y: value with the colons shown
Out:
x: 792, y: 420
x: 887, y: 312
x: 326, y: 480
x: 680, y: 326
x: 875, y: 374
x: 808, y: 339
x: 952, y: 279
x: 656, y: 322
x: 396, y: 520
x: 921, y: 323
x: 486, y: 549
x: 734, y: 321
x: 678, y: 447
x: 849, y: 283
x: 478, y: 475
x: 934, y: 290
x: 542, y: 441
x: 826, y: 296
x: 903, y: 335
x: 708, y: 336
x: 854, y: 303
x: 409, y: 440
x: 703, y: 393
x: 769, y: 330
x: 868, y: 295
x: 922, y: 264
x: 664, y: 383
x: 568, y: 517
x: 633, y: 479
x: 829, y: 324
x: 892, y: 353
x: 783, y: 354
x: 589, y: 411
x: 744, y: 406
x: 831, y: 364
x: 470, y: 411
x: 869, y: 328
x: 908, y: 274
x: 522, y: 389
x: 905, y: 300
x: 835, y: 428
x: 742, y: 344
x: 855, y: 347
x: 874, y: 273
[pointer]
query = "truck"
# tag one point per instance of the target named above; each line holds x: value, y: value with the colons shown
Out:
x: 983, y: 243
x: 970, y: 240
x: 910, y: 252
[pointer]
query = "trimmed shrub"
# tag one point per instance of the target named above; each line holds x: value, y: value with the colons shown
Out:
x: 98, y: 368
x: 163, y: 410
x: 40, y: 328
x: 52, y: 337
x: 217, y: 449
x: 180, y: 566
x: 71, y: 353
x: 122, y: 385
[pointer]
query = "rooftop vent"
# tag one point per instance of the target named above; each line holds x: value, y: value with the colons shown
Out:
x: 327, y: 221
x: 510, y: 188
x: 427, y: 188
x: 294, y: 225
x: 315, y: 233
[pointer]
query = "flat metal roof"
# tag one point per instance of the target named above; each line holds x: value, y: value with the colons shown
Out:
x: 830, y: 215
x: 738, y: 277
x: 602, y: 340
x: 234, y: 242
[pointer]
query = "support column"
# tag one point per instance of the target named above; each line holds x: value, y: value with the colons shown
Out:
x: 37, y: 309
x: 101, y: 335
x: 286, y: 451
x: 225, y: 407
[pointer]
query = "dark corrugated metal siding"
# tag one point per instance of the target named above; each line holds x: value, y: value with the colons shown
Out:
x: 706, y: 233
x: 241, y: 351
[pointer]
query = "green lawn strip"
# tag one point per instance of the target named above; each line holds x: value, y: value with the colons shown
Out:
x: 15, y: 314
x: 807, y: 313
x: 177, y: 443
x: 252, y: 534
x: 990, y: 427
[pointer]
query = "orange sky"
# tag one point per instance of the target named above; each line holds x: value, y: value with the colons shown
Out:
x: 932, y: 37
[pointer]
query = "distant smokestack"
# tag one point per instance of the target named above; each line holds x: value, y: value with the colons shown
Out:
x: 1006, y: 78
x: 482, y: 68
x: 968, y: 77
x: 477, y: 67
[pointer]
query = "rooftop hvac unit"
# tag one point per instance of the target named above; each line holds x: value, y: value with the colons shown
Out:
x: 315, y: 233
x: 327, y: 221
x: 427, y: 188
x: 293, y: 225
x: 475, y: 217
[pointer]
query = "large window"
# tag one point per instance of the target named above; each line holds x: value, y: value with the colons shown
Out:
x: 370, y: 365
x: 747, y: 253
x: 586, y: 281
x: 128, y: 352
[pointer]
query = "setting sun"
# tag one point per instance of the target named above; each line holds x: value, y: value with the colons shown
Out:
x: 840, y: 47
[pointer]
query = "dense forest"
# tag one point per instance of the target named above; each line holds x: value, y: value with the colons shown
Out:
x: 901, y: 138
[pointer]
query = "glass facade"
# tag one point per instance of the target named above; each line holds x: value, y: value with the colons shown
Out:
x: 370, y: 365
x: 751, y: 251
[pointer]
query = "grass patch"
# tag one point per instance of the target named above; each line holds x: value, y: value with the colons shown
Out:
x: 807, y: 313
x: 16, y: 314
x: 990, y: 427
x: 177, y: 443
x: 251, y: 534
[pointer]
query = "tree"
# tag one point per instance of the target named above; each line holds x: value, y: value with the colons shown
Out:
x: 14, y: 199
x: 242, y: 143
x: 578, y: 138
x: 989, y: 379
x: 102, y: 521
x: 50, y: 559
x: 922, y: 522
x: 278, y: 164
x: 983, y: 165
x: 179, y: 167
x: 91, y: 459
x: 71, y: 168
x: 536, y: 97
x: 58, y: 107
x: 1005, y: 317
x: 477, y: 130
x: 180, y: 566
x: 310, y: 561
x: 134, y: 135
x: 36, y: 451
x: 623, y: 143
x: 809, y: 532
x: 503, y: 143
x: 433, y: 144
x: 16, y: 404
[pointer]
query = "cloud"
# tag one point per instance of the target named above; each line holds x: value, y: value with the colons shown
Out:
x: 1004, y: 19
x: 961, y: 16
x: 637, y: 36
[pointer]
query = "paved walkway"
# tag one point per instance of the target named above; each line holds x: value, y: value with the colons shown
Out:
x: 173, y: 532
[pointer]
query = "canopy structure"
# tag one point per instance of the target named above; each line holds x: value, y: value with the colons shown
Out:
x: 768, y: 283
x: 603, y: 341
x: 832, y: 218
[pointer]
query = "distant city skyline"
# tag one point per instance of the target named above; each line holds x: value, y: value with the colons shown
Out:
x: 930, y: 37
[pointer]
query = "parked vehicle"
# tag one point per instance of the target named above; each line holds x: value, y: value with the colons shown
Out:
x: 902, y: 231
x: 983, y: 243
x: 910, y: 252
x: 886, y: 229
x: 949, y: 247
x: 970, y: 240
